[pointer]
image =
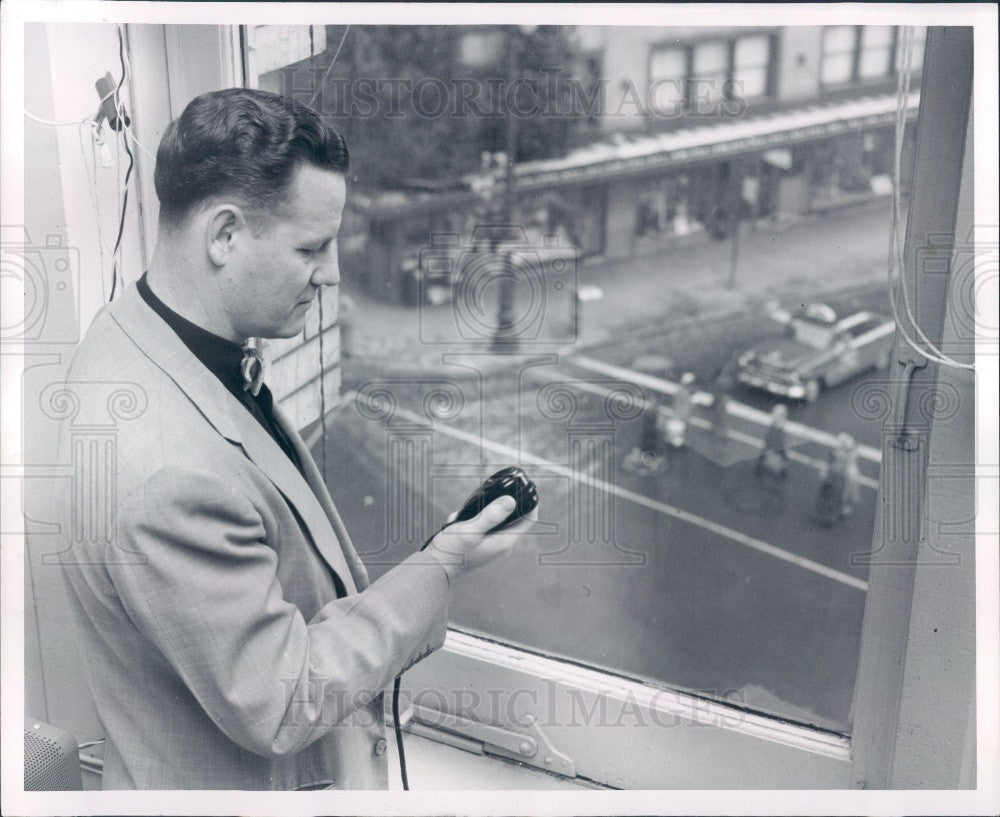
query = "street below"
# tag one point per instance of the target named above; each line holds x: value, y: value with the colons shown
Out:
x: 704, y: 576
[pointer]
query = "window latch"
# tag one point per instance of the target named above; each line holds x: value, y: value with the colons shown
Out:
x: 910, y: 359
x: 527, y: 743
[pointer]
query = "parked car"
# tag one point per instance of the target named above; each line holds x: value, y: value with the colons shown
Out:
x: 819, y: 350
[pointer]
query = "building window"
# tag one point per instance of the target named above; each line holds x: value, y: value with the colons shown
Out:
x: 751, y: 61
x: 875, y: 60
x: 708, y: 76
x: 839, y: 47
x: 667, y: 75
x: 702, y: 76
x: 864, y: 53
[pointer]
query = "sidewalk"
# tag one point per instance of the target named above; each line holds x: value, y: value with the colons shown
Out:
x: 792, y: 262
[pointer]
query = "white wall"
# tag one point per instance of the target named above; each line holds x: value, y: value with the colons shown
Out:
x: 69, y: 205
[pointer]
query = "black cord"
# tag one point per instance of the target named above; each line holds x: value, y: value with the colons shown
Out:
x: 399, y: 733
x: 128, y: 174
x: 121, y: 222
x: 395, y: 706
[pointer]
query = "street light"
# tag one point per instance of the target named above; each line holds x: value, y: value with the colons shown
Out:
x: 504, y: 338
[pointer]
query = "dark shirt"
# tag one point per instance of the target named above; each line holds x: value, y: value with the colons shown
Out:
x: 224, y: 359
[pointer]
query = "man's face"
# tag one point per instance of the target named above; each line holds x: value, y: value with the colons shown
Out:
x: 293, y: 254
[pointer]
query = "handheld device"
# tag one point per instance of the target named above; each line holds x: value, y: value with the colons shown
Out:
x: 510, y: 481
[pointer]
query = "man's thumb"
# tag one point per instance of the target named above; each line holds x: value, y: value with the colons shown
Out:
x: 496, y: 512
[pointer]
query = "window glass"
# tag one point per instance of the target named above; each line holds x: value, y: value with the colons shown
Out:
x: 709, y: 73
x: 838, y: 54
x: 750, y: 66
x: 876, y: 51
x: 688, y: 537
x: 667, y: 75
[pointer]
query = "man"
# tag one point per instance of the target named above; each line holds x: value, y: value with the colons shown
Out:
x: 230, y: 636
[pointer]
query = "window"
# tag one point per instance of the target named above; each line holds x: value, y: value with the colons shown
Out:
x: 751, y: 62
x: 708, y: 76
x: 876, y: 52
x: 702, y: 76
x: 863, y: 53
x: 694, y: 576
x: 667, y: 75
x: 653, y: 550
x: 839, y: 44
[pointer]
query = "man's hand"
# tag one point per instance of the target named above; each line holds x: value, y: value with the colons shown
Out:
x: 465, y: 546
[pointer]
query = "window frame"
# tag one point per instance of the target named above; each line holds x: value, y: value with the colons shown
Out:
x: 706, y: 744
x: 729, y: 43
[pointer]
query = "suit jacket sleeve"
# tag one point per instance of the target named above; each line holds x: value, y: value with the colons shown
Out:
x: 207, y: 595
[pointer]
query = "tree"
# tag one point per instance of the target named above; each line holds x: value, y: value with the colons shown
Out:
x: 412, y: 109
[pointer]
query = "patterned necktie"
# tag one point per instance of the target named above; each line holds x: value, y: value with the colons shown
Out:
x: 252, y: 367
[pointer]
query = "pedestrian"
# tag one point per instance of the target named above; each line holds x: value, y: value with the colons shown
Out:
x: 644, y: 458
x: 675, y: 426
x: 848, y: 451
x: 230, y: 636
x: 830, y: 497
x: 773, y: 458
x: 719, y: 412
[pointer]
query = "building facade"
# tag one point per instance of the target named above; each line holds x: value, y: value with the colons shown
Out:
x: 681, y: 133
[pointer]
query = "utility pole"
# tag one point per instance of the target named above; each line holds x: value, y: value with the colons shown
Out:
x: 736, y: 199
x: 505, y: 339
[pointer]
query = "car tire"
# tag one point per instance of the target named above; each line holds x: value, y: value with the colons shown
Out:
x: 812, y: 390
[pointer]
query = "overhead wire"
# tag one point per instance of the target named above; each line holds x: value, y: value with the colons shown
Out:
x: 896, y: 249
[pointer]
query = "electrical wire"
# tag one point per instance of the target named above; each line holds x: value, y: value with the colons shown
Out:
x: 127, y: 126
x: 399, y: 733
x: 91, y: 171
x: 52, y: 122
x: 322, y: 82
x: 121, y: 221
x: 896, y: 249
x: 128, y: 173
x: 59, y: 124
x: 137, y: 143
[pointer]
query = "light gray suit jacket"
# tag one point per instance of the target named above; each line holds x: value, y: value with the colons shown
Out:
x: 216, y: 650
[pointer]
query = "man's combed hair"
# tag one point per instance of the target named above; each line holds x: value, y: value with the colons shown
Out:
x: 242, y: 143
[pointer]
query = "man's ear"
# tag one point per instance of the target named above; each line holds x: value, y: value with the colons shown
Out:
x: 223, y: 228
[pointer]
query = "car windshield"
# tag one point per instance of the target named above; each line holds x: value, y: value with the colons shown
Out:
x: 812, y: 334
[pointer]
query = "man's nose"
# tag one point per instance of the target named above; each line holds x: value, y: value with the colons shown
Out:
x: 327, y: 274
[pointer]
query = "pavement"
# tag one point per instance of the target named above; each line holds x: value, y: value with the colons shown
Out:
x: 789, y: 261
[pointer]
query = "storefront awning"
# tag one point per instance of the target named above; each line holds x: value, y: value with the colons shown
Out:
x: 720, y: 139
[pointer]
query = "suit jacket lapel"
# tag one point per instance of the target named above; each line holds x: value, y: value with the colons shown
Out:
x: 236, y: 424
x: 318, y: 485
